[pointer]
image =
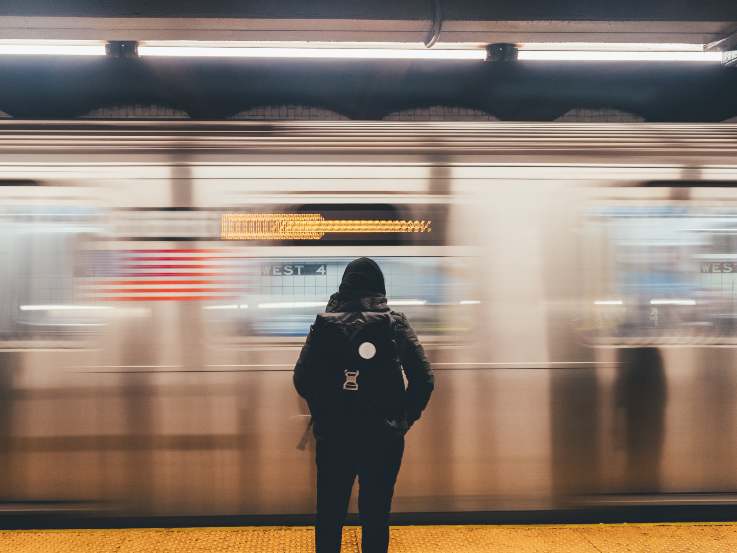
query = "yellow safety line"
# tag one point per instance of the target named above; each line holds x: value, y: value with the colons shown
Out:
x: 413, y: 526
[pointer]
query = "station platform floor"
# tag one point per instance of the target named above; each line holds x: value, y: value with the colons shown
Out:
x: 590, y: 538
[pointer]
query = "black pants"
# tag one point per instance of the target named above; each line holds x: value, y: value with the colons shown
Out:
x: 375, y: 460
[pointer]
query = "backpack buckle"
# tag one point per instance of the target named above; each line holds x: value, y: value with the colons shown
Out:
x: 351, y: 381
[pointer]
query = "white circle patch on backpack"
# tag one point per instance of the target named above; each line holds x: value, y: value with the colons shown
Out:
x: 367, y: 350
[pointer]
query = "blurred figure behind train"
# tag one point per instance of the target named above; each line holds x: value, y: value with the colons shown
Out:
x: 641, y: 396
x: 350, y: 373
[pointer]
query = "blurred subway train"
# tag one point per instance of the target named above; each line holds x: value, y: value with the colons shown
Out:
x: 574, y: 284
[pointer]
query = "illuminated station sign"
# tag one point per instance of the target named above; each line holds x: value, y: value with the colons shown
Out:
x: 309, y: 226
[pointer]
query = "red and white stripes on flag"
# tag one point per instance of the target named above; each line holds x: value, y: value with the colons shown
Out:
x: 174, y: 275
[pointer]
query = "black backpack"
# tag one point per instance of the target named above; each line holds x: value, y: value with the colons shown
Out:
x: 358, y: 376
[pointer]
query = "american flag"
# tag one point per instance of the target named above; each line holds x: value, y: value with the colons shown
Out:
x: 190, y: 274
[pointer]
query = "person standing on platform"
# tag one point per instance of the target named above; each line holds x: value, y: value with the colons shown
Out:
x: 350, y: 373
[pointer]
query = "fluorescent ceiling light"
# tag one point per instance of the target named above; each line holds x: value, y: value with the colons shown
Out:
x: 469, y: 302
x: 309, y: 52
x: 618, y: 55
x: 608, y: 302
x: 548, y: 51
x: 614, y: 46
x: 51, y: 48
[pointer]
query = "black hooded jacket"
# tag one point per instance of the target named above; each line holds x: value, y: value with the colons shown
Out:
x: 360, y: 299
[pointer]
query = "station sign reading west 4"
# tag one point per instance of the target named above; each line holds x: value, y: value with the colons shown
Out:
x: 310, y: 226
x: 294, y: 269
x: 719, y: 267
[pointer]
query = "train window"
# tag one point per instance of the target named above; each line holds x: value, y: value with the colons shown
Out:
x: 662, y: 271
x: 40, y: 257
x: 280, y: 296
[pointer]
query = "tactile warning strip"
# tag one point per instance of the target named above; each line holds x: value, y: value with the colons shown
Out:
x: 609, y: 538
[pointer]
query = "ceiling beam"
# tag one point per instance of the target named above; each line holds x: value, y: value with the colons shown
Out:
x: 359, y: 30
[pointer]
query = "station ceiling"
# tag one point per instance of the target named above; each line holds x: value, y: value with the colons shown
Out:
x: 51, y: 87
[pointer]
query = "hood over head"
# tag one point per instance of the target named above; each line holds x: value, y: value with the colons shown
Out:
x: 362, y: 277
x: 362, y: 280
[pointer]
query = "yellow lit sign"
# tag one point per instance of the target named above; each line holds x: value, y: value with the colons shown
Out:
x: 308, y: 226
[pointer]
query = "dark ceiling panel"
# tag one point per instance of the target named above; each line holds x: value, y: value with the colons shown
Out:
x: 213, y: 89
x: 601, y: 10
